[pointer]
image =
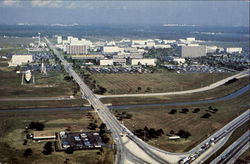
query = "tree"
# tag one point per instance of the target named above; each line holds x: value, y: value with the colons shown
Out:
x: 185, y: 110
x: 92, y: 126
x: 183, y: 134
x: 27, y: 152
x: 48, y: 149
x: 69, y: 150
x: 36, y: 125
x: 206, y: 115
x: 173, y: 111
x: 102, y: 126
x: 196, y: 110
x: 172, y: 132
x: 138, y: 89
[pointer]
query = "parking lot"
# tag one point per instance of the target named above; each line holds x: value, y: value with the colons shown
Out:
x: 195, y: 69
x: 137, y: 69
x: 79, y: 140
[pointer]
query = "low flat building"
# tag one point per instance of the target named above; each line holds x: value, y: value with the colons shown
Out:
x: 145, y: 61
x: 106, y: 62
x: 86, y: 57
x: 44, y: 135
x: 111, y: 49
x: 234, y: 50
x: 21, y: 59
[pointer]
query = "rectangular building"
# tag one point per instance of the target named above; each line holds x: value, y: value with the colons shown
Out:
x: 145, y: 61
x: 76, y: 49
x: 234, y: 50
x: 20, y: 59
x: 193, y: 51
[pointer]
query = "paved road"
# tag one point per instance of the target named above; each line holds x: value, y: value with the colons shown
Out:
x: 206, y: 88
x: 233, y: 152
x: 129, y: 145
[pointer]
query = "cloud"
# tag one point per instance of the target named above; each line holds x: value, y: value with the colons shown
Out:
x: 47, y: 3
x: 10, y: 3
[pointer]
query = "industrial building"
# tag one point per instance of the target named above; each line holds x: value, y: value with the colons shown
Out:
x: 193, y: 51
x: 234, y: 50
x: 106, y: 62
x: 145, y: 61
x: 44, y: 135
x: 20, y: 59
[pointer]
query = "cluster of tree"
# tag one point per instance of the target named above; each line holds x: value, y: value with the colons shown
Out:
x: 103, y: 133
x: 36, y: 125
x: 68, y: 78
x: 28, y: 152
x: 184, y: 110
x: 100, y: 90
x: 123, y: 115
x: 75, y: 88
x: 212, y: 110
x: 231, y: 81
x: 92, y: 126
x: 206, y: 115
x: 183, y: 134
x: 148, y: 133
x: 48, y: 149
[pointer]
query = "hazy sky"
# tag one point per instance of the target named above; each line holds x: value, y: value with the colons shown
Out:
x: 232, y: 13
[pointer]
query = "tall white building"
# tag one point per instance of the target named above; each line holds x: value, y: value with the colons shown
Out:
x: 59, y: 39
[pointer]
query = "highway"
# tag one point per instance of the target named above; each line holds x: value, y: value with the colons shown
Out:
x: 232, y: 153
x: 130, y: 148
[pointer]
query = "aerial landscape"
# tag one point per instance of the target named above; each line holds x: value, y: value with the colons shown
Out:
x: 124, y: 82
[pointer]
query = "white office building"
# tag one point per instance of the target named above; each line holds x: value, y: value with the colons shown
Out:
x: 234, y: 50
x: 59, y: 39
x: 145, y: 61
x: 111, y: 49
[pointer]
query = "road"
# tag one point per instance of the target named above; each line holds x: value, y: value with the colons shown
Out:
x: 206, y: 88
x: 233, y: 152
x: 128, y: 146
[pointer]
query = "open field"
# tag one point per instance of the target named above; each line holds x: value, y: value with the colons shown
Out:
x: 51, y: 84
x: 199, y: 128
x: 12, y: 137
x: 42, y: 104
x: 122, y: 83
x: 11, y: 42
x: 214, y: 93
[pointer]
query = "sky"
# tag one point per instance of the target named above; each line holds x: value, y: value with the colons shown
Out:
x: 222, y: 13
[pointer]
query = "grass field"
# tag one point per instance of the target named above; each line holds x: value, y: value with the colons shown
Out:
x: 155, y: 82
x: 199, y: 127
x: 12, y: 137
x: 50, y: 85
x: 42, y: 104
x: 214, y: 93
